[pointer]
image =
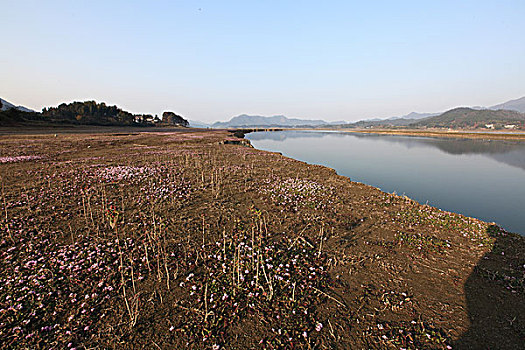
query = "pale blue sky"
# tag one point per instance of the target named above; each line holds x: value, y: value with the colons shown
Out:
x: 211, y: 60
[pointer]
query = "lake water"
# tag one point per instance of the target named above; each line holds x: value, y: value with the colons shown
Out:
x: 477, y: 178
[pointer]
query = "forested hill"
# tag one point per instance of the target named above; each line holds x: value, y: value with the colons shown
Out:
x: 88, y: 112
x: 471, y: 118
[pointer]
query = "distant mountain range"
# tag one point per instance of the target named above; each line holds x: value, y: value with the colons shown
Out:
x: 414, y: 116
x: 404, y: 120
x: 517, y: 105
x: 504, y: 113
x: 7, y: 105
x: 198, y: 124
x: 510, y: 112
x: 251, y: 121
x: 467, y: 117
x: 245, y: 120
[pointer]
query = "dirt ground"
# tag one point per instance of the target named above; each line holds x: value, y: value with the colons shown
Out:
x: 193, y: 239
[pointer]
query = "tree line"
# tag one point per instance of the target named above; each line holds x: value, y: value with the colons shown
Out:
x: 89, y: 113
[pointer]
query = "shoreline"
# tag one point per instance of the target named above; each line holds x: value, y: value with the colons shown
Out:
x: 290, y: 153
x: 369, y: 266
x: 519, y: 136
x: 80, y: 129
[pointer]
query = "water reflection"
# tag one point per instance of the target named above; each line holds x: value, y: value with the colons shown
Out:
x: 480, y: 178
x: 509, y: 152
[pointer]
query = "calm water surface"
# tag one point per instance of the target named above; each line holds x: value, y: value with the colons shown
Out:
x: 477, y: 178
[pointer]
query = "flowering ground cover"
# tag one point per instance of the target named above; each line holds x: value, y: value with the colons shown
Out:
x: 292, y: 194
x: 189, y: 239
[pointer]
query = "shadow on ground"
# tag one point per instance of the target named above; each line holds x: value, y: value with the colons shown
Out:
x: 495, y: 296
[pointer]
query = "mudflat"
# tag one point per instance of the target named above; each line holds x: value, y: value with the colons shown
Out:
x: 193, y: 239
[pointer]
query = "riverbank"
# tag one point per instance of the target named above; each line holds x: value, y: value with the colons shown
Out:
x: 466, y: 134
x: 194, y: 240
x: 464, y: 182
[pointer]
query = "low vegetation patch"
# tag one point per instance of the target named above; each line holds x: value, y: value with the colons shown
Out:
x: 293, y: 194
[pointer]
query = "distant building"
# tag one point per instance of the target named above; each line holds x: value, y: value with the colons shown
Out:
x: 144, y: 118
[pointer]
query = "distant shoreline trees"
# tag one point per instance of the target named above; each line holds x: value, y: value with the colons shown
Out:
x: 89, y: 113
x: 93, y: 113
x: 171, y: 118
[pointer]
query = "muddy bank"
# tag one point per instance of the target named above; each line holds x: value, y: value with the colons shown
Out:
x: 186, y: 240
